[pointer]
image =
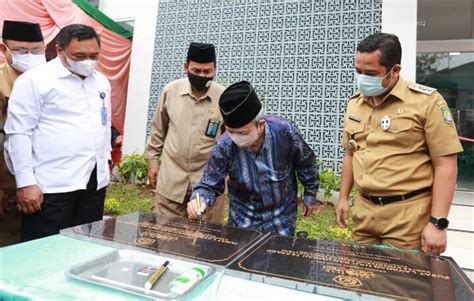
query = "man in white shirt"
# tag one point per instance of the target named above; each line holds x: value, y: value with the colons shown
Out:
x: 58, y: 137
x: 23, y: 47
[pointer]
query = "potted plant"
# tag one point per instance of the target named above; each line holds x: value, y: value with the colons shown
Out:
x: 133, y: 168
x: 329, y: 185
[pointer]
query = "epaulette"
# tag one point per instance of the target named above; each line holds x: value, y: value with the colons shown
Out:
x: 357, y: 94
x: 422, y: 89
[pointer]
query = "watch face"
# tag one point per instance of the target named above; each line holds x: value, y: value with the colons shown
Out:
x: 443, y: 223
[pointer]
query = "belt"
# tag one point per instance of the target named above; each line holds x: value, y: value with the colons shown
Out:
x: 384, y: 200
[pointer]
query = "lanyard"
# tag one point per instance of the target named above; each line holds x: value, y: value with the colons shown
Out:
x: 103, y: 110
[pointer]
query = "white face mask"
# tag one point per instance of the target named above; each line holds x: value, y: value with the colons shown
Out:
x: 24, y: 62
x: 84, y: 68
x: 371, y: 85
x: 244, y: 140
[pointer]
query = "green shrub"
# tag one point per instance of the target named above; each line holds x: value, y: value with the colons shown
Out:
x: 322, y: 225
x: 329, y: 182
x: 111, y: 206
x: 124, y: 199
x: 133, y: 165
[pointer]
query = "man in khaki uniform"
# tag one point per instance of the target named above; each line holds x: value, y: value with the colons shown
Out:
x: 186, y: 125
x: 23, y: 47
x: 401, y: 152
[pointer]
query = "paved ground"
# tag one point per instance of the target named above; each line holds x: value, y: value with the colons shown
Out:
x: 461, y: 231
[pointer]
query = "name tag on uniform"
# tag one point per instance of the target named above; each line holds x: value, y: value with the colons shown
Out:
x: 103, y: 111
x: 212, y: 128
x: 103, y: 115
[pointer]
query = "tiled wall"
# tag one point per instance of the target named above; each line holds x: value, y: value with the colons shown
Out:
x: 298, y: 54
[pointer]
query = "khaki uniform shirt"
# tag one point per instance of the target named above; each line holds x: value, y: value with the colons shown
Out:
x: 397, y: 160
x: 178, y: 136
x: 8, y: 75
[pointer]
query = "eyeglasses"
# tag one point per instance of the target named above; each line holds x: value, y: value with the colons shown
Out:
x: 38, y: 50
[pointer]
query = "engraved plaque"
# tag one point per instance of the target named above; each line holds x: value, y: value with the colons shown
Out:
x: 212, y: 243
x: 353, y: 271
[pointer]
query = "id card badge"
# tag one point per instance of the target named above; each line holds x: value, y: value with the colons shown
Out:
x: 103, y: 115
x: 212, y: 128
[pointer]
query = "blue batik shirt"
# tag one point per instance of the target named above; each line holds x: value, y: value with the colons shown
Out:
x: 262, y: 187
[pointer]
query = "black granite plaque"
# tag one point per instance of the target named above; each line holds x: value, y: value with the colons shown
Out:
x: 212, y: 243
x: 353, y: 271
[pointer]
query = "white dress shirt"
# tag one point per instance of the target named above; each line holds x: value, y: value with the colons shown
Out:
x: 55, y: 132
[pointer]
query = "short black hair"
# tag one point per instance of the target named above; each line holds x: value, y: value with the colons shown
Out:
x: 387, y: 43
x: 76, y: 31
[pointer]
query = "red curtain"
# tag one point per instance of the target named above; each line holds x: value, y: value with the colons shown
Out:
x: 52, y: 15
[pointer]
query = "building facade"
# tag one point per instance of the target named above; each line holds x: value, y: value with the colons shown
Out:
x: 299, y: 55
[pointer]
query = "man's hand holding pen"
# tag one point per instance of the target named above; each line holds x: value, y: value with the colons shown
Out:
x: 196, y: 207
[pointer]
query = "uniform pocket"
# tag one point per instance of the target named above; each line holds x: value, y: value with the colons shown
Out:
x: 398, y: 135
x: 355, y: 128
x: 353, y: 131
x: 400, y: 126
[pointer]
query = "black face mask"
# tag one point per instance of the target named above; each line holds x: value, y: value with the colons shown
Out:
x: 200, y: 83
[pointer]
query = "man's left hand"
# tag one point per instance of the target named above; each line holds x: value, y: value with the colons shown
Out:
x: 309, y: 209
x: 433, y: 240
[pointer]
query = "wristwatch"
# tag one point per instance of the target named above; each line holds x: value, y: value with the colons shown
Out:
x: 440, y: 222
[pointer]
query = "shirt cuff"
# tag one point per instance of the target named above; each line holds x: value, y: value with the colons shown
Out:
x: 309, y: 200
x: 153, y: 163
x: 25, y: 179
x: 206, y: 196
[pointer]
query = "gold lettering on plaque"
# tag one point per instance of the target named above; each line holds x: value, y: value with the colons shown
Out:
x: 362, y: 268
x: 144, y: 241
x: 347, y: 281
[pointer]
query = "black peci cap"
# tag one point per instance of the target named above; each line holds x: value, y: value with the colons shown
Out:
x: 21, y: 31
x: 239, y: 104
x: 201, y: 53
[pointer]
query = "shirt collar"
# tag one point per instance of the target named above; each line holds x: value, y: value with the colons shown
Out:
x: 267, y: 142
x: 398, y: 90
x: 186, y: 90
x: 12, y: 73
x: 61, y: 70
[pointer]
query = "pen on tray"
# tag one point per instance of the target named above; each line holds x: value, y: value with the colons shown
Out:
x: 156, y: 275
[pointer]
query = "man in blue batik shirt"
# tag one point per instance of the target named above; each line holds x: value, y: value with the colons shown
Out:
x: 261, y: 155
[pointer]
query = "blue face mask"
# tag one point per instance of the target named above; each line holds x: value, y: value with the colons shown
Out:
x: 371, y: 85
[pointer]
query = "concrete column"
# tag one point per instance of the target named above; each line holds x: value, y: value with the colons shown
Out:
x: 146, y: 12
x: 399, y: 17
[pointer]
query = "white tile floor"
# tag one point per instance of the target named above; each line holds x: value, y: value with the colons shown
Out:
x: 461, y: 218
x: 461, y: 232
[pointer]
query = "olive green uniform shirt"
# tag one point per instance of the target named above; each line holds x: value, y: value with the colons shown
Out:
x: 397, y: 160
x: 178, y: 142
x: 8, y: 75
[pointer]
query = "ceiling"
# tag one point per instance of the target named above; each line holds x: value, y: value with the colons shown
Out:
x: 446, y: 19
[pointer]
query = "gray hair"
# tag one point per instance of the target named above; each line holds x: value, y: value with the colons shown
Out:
x: 259, y: 117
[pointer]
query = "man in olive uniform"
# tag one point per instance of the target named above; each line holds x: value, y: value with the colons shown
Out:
x: 401, y: 152
x: 186, y: 125
x: 23, y: 47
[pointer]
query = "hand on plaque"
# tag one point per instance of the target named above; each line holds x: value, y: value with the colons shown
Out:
x: 433, y: 240
x: 194, y: 210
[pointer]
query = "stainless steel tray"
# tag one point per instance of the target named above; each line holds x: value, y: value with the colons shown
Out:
x: 128, y: 270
